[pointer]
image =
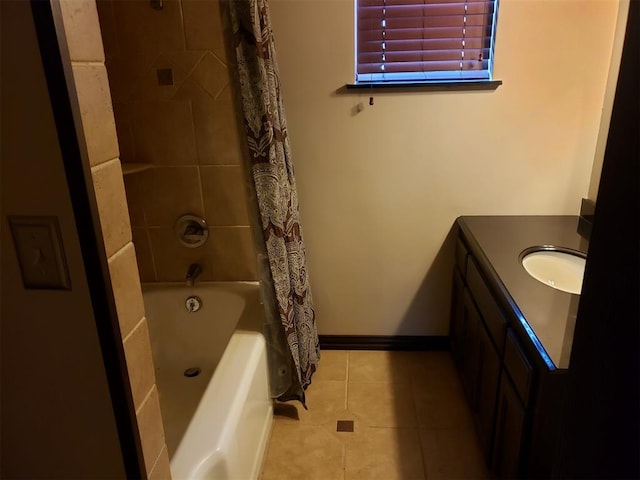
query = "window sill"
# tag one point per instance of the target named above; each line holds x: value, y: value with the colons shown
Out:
x: 452, y: 85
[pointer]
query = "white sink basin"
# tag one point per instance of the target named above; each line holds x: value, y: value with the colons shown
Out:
x: 556, y: 267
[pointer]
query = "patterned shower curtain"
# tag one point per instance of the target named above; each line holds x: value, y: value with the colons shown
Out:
x: 272, y: 171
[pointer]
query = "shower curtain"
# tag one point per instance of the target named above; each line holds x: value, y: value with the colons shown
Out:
x: 292, y: 329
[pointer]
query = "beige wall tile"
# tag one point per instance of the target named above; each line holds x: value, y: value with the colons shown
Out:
x: 211, y: 74
x: 162, y: 468
x: 133, y: 184
x: 112, y: 205
x: 172, y: 259
x: 147, y: 87
x: 143, y: 254
x: 216, y: 129
x: 96, y: 111
x: 124, y: 74
x: 151, y: 429
x: 144, y: 32
x: 125, y: 282
x: 163, y: 133
x: 80, y: 18
x: 125, y: 134
x: 108, y: 28
x: 203, y: 26
x: 137, y: 351
x: 169, y: 193
x: 223, y: 189
x: 232, y: 253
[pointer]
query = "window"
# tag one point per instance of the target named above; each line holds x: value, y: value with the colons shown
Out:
x: 416, y: 41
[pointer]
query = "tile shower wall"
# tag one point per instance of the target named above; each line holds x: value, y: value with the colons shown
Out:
x: 174, y: 111
x: 82, y: 32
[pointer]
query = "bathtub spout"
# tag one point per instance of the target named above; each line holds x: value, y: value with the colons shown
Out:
x: 194, y: 271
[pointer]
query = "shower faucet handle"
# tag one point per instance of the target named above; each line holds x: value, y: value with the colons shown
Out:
x: 192, y: 231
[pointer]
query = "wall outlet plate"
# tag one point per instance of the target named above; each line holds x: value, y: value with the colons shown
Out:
x: 40, y: 253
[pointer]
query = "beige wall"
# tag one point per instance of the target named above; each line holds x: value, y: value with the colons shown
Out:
x: 82, y: 32
x: 57, y: 418
x: 610, y: 92
x: 380, y: 189
x: 186, y: 131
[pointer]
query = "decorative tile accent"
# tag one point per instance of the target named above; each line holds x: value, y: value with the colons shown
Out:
x: 211, y: 74
x: 165, y: 76
x: 344, y: 426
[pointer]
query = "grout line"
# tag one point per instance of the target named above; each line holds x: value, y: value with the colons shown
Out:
x: 155, y: 464
x: 346, y: 383
x: 146, y: 399
x: 119, y: 252
x: 153, y: 256
x: 135, y: 327
x: 87, y: 63
x: 101, y: 165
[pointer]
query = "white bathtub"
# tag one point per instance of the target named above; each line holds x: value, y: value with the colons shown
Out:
x: 216, y: 423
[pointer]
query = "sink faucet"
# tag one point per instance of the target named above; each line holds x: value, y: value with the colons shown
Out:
x: 194, y: 271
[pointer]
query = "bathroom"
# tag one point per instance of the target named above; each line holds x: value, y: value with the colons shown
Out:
x: 392, y: 181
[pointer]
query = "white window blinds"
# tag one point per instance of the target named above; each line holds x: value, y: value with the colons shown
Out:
x: 424, y: 40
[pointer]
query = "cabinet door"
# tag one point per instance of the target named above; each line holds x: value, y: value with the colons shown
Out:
x: 487, y: 383
x: 510, y: 418
x: 470, y: 346
x: 458, y: 321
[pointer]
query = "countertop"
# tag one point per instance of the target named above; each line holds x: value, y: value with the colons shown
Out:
x: 545, y: 314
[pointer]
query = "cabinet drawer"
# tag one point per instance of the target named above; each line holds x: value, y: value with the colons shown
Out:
x: 461, y: 256
x: 518, y: 367
x: 492, y: 315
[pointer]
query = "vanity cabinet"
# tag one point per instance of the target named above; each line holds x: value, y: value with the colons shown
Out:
x: 511, y: 339
x: 497, y: 375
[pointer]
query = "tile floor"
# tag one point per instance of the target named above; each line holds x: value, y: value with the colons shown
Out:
x: 410, y: 421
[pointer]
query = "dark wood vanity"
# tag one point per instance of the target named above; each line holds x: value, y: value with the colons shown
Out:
x: 511, y: 340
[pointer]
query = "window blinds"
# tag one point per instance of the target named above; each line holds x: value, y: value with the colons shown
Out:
x: 421, y: 40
